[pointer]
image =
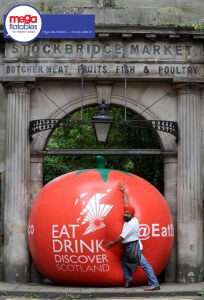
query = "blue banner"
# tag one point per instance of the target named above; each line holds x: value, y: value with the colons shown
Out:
x: 67, y: 26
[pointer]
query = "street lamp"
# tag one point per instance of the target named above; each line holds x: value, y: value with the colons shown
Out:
x: 102, y: 123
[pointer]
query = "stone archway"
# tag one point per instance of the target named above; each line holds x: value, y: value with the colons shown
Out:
x: 17, y: 170
x: 167, y: 142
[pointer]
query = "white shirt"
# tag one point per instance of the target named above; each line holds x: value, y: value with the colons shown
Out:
x: 130, y: 231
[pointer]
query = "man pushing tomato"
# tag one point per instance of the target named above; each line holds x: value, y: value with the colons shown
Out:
x: 132, y: 247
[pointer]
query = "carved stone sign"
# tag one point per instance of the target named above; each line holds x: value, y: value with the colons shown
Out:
x: 117, y: 70
x: 104, y: 59
x: 106, y: 50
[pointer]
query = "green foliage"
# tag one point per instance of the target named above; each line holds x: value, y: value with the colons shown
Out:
x: 3, y: 293
x: 30, y: 295
x: 76, y: 136
x: 198, y: 26
x: 47, y: 8
x: 201, y: 293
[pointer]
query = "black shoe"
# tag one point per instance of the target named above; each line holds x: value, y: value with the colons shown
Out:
x: 152, y: 288
x: 128, y: 284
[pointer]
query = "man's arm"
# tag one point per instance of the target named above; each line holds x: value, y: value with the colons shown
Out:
x: 123, y: 190
x: 111, y: 244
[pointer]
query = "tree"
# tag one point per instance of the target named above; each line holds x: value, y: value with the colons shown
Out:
x: 69, y: 134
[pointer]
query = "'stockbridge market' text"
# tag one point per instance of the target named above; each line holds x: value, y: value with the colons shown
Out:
x: 95, y: 49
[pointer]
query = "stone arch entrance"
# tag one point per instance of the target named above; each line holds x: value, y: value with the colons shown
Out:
x: 78, y: 140
x: 167, y: 143
x: 180, y: 101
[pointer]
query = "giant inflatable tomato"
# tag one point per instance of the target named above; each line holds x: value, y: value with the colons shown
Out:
x: 76, y: 214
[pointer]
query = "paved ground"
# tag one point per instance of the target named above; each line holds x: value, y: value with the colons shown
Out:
x: 121, y: 298
x: 52, y: 291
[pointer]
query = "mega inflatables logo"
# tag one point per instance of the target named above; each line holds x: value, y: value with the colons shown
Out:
x: 23, y: 23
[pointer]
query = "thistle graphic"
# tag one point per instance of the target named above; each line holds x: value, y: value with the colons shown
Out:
x: 95, y: 212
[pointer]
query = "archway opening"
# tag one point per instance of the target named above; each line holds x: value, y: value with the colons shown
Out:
x: 77, y: 136
x: 70, y: 135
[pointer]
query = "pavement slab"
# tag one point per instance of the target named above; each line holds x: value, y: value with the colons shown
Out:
x: 52, y: 291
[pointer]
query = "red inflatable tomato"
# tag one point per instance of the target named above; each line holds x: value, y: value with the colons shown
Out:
x: 76, y: 214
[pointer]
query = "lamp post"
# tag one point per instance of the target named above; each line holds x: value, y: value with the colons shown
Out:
x: 102, y: 123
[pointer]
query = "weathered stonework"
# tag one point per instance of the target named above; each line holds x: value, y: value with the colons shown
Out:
x: 36, y: 183
x: 17, y: 185
x: 190, y: 193
x: 170, y: 188
x: 136, y: 58
x: 119, y: 12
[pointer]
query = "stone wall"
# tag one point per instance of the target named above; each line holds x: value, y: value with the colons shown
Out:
x: 202, y: 122
x: 2, y: 119
x: 2, y: 162
x: 129, y: 12
x: 67, y: 95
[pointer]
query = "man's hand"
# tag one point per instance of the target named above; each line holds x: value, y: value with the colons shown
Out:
x: 109, y: 245
x: 121, y: 186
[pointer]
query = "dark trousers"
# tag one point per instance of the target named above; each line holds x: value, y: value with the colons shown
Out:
x: 127, y: 272
x: 130, y: 259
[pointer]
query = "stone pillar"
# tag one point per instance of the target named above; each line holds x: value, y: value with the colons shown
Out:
x: 170, y: 194
x: 36, y: 181
x: 190, y: 198
x: 2, y: 197
x: 202, y: 121
x: 17, y: 184
x: 36, y: 178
